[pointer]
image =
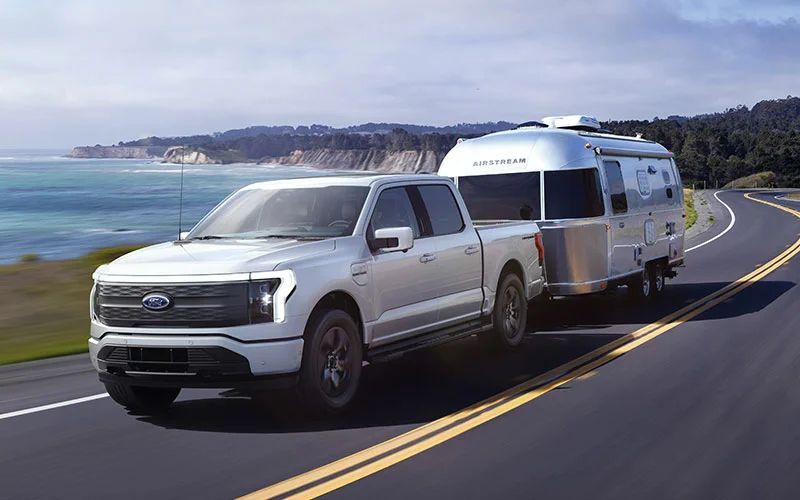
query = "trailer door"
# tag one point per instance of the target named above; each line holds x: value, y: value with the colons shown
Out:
x: 622, y: 242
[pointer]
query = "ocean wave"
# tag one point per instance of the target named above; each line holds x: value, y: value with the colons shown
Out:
x: 110, y: 231
x: 171, y: 171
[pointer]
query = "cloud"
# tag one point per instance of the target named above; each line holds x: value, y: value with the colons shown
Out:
x: 83, y: 72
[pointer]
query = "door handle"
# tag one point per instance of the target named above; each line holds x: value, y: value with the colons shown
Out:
x: 471, y: 250
x: 428, y: 257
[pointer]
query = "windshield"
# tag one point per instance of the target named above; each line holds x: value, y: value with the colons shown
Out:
x: 313, y: 212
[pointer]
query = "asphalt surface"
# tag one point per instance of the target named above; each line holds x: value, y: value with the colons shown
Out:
x: 710, y: 409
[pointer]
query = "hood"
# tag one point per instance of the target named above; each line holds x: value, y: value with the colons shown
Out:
x: 213, y: 257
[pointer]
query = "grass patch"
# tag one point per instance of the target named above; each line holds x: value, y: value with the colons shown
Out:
x: 794, y: 196
x: 44, y: 306
x: 29, y: 257
x: 691, y: 213
x: 759, y: 180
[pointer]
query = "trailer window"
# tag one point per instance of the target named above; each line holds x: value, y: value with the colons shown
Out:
x: 503, y: 196
x: 572, y: 194
x: 619, y: 201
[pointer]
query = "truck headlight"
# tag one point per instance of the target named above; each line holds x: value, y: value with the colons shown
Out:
x: 262, y: 300
x: 268, y: 294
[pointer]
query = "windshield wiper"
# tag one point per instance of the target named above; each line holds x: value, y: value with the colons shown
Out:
x: 210, y: 237
x: 290, y: 237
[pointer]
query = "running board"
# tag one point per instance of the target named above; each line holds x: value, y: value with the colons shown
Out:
x: 397, y: 349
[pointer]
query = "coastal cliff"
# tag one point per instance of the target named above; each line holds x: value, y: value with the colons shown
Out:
x: 137, y: 152
x: 375, y: 160
x: 177, y: 154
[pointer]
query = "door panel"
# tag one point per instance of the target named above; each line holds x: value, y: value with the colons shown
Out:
x: 404, y: 288
x: 459, y: 259
x: 403, y: 282
x: 458, y: 256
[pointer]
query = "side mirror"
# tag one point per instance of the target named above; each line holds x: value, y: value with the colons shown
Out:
x: 392, y: 239
x: 183, y: 235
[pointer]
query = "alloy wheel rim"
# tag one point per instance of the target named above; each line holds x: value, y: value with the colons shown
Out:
x: 645, y: 284
x: 335, y: 356
x: 511, y: 312
x: 659, y: 279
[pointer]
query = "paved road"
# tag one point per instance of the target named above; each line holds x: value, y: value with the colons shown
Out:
x: 709, y: 409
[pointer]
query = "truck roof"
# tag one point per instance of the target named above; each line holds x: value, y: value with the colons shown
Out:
x: 366, y: 180
x: 534, y: 149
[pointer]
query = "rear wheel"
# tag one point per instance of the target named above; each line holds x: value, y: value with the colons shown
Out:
x: 145, y: 400
x: 510, y: 315
x: 331, y: 367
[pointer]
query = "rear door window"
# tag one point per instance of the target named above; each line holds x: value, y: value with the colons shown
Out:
x: 443, y: 212
x: 572, y: 194
x: 503, y: 196
x: 619, y: 200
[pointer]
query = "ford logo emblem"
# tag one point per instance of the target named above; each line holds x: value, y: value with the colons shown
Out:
x: 156, y: 301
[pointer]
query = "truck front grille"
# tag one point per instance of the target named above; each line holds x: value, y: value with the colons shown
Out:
x: 200, y: 305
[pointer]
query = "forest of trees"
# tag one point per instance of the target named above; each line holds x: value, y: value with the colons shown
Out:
x: 269, y: 146
x: 721, y: 147
x: 316, y: 130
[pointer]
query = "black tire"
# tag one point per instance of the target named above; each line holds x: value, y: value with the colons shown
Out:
x: 144, y: 400
x: 509, y: 317
x: 657, y: 279
x: 331, y: 367
x: 640, y: 287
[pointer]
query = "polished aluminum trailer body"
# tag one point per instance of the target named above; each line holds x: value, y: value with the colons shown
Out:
x: 608, y: 205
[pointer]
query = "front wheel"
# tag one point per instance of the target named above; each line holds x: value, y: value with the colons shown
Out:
x: 510, y: 315
x: 331, y: 367
x: 144, y: 400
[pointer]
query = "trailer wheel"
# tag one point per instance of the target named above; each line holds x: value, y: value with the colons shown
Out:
x: 509, y: 317
x: 331, y: 367
x: 144, y: 400
x: 641, y: 287
x: 657, y: 280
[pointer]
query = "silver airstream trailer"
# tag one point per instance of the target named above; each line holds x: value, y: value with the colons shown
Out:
x: 610, y: 207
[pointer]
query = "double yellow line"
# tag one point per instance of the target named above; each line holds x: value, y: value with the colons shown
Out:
x: 350, y: 469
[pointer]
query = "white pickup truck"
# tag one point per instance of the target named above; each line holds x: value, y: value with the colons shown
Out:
x: 298, y: 282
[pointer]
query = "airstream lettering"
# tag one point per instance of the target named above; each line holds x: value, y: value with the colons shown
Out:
x: 610, y: 207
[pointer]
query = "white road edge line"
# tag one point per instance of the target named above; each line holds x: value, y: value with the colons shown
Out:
x: 52, y: 406
x: 784, y: 198
x: 720, y: 235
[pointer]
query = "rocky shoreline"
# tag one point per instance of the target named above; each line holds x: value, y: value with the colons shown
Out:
x: 376, y: 160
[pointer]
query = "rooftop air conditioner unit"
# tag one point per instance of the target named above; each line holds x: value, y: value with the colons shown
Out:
x: 573, y: 122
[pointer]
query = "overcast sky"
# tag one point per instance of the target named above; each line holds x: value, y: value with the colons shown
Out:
x: 86, y: 72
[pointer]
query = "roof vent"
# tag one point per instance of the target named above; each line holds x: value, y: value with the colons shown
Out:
x: 532, y: 123
x: 573, y: 122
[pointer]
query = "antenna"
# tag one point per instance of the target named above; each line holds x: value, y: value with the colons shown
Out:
x: 180, y: 203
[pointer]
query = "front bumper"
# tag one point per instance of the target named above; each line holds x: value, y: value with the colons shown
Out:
x: 192, y: 361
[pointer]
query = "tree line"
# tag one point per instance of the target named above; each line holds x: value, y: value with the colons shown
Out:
x: 718, y: 148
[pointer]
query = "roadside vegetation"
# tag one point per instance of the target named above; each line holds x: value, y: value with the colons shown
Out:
x: 691, y: 213
x: 759, y: 180
x: 794, y: 196
x: 44, y: 305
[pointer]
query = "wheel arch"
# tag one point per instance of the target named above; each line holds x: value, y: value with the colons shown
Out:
x: 339, y: 300
x: 512, y: 266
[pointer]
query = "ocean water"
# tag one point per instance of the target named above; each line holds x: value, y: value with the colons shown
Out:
x: 62, y: 208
